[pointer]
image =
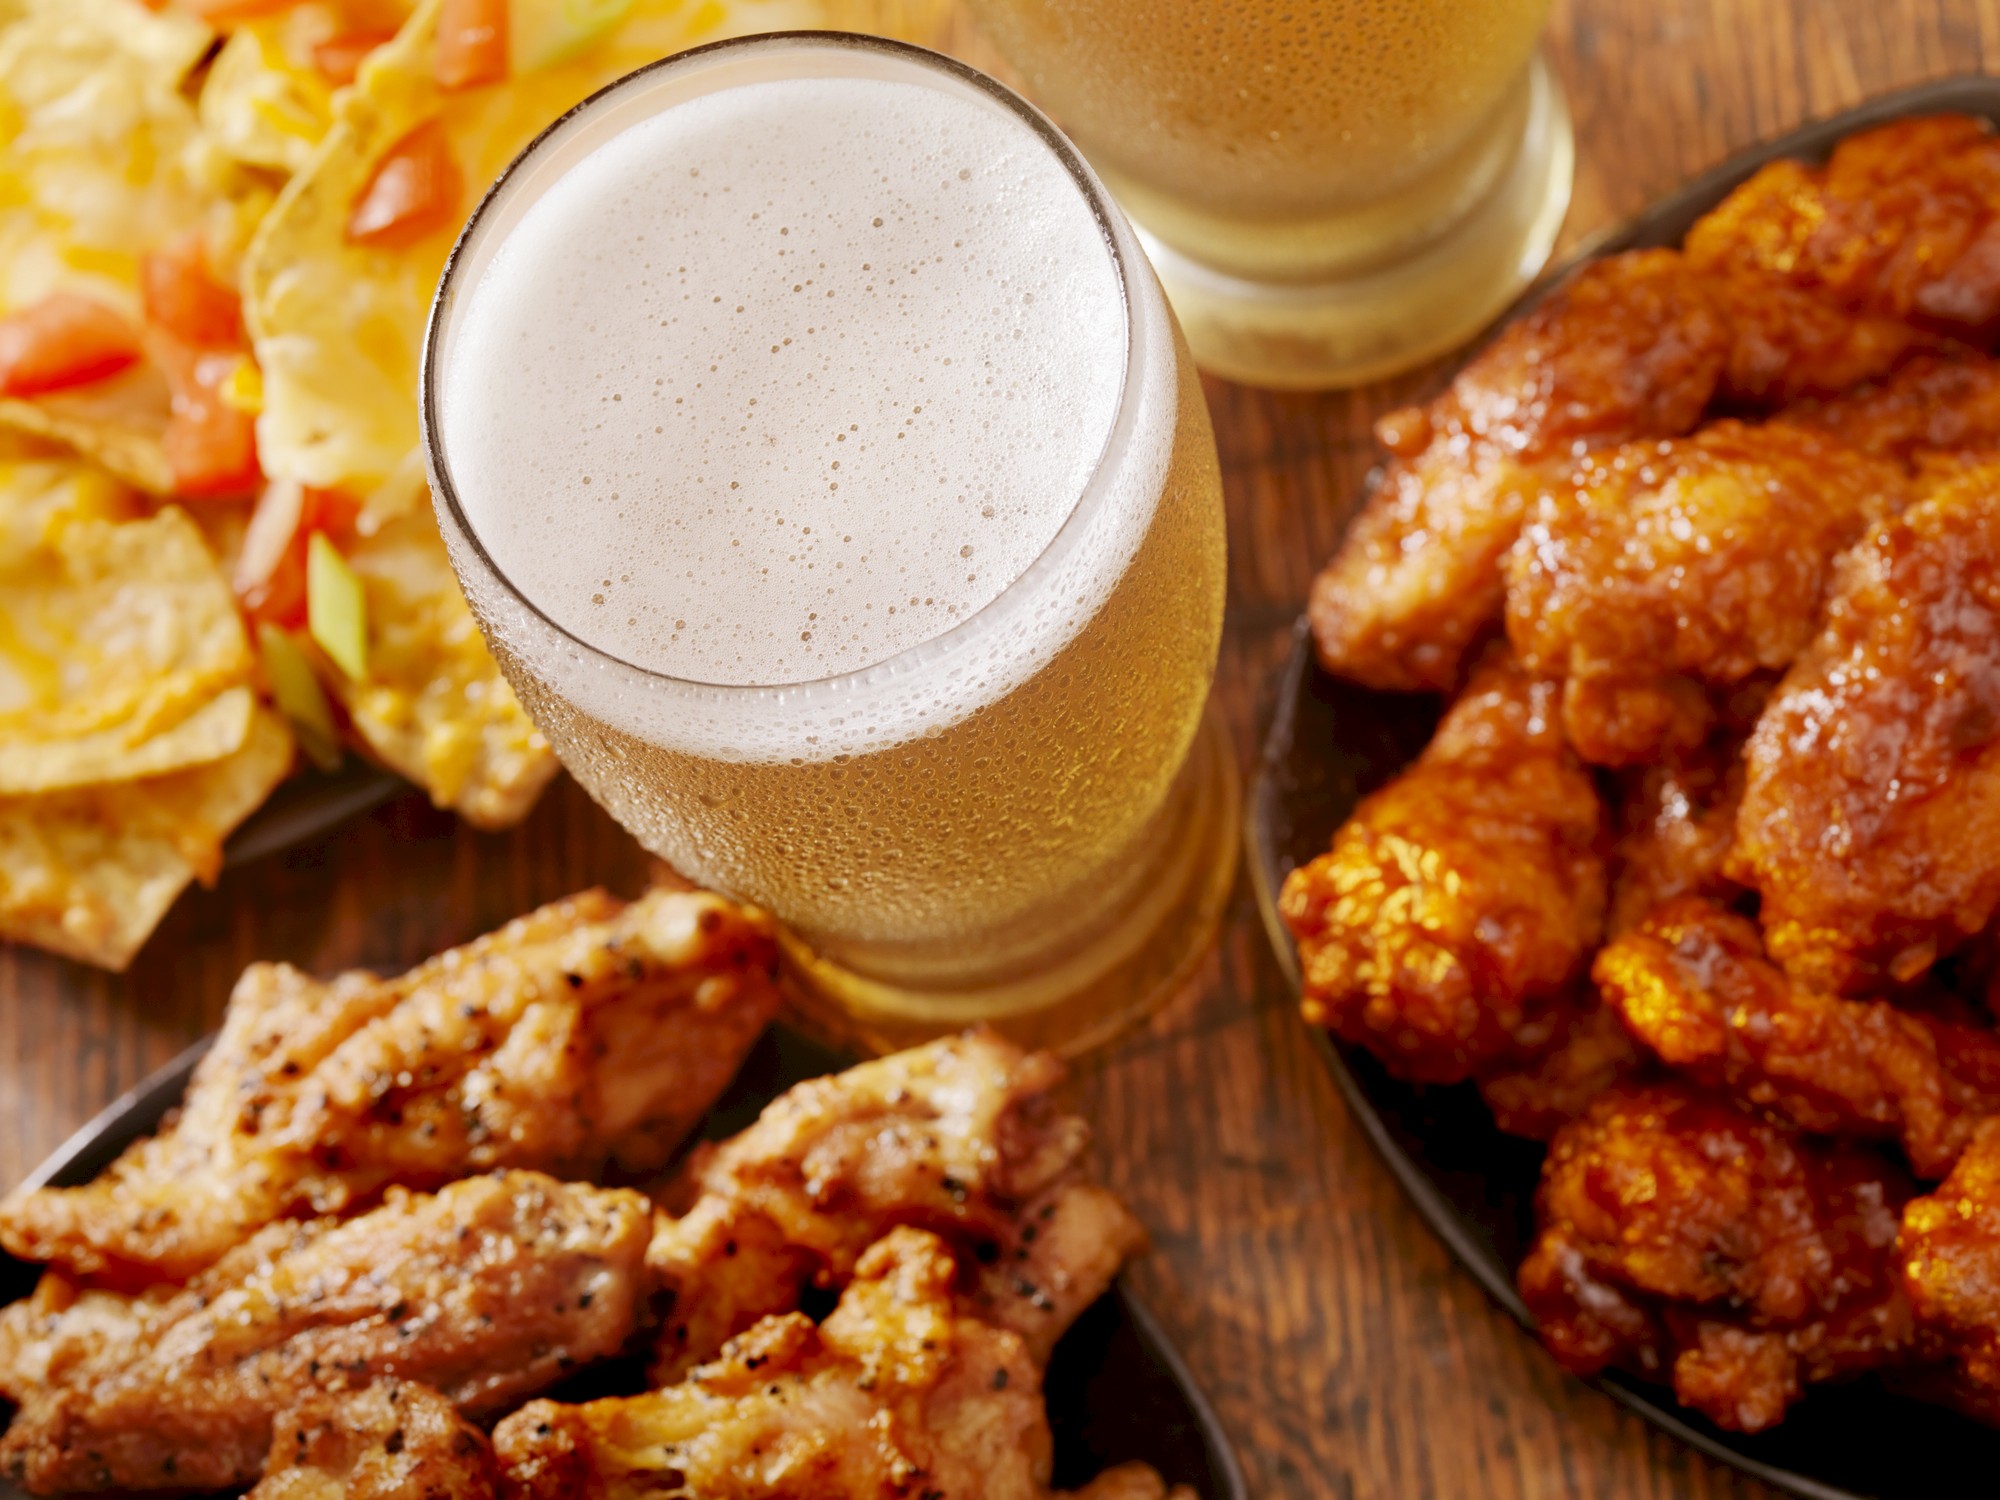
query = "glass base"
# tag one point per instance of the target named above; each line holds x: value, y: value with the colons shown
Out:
x: 1365, y: 326
x: 1134, y: 964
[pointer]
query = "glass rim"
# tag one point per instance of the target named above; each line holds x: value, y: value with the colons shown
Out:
x: 1091, y: 495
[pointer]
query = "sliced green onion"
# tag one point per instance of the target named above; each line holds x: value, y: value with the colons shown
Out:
x: 336, y: 607
x: 295, y: 689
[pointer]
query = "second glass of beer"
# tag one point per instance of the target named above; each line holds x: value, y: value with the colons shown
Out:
x: 1332, y: 190
x: 831, y: 481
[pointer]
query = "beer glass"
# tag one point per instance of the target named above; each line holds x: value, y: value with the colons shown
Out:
x: 1331, y: 190
x: 1009, y: 810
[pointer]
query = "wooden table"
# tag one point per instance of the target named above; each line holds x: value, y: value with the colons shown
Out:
x: 1346, y: 1354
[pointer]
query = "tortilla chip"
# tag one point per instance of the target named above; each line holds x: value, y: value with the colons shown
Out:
x: 119, y: 641
x: 104, y: 159
x: 338, y: 327
x: 435, y: 707
x: 90, y: 873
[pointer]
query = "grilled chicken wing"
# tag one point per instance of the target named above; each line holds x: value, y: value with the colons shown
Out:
x: 1870, y: 822
x: 1692, y: 984
x: 584, y: 1035
x: 897, y: 1393
x: 489, y: 1291
x: 1830, y: 275
x: 1681, y: 1236
x: 1448, y: 926
x: 393, y: 1440
x: 1631, y: 347
x: 1660, y: 570
x: 960, y: 1137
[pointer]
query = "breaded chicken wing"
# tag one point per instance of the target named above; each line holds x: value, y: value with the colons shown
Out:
x: 1677, y: 819
x: 1950, y: 1257
x: 1450, y: 922
x: 490, y: 1291
x: 1659, y: 570
x: 1592, y: 1051
x: 961, y: 1137
x: 1692, y: 984
x: 1680, y: 1236
x: 1829, y: 275
x: 393, y: 1440
x: 1870, y: 822
x: 897, y: 1393
x: 585, y: 1035
x: 1631, y: 347
x: 1931, y: 405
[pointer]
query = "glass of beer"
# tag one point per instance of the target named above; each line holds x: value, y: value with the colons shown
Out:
x: 1331, y: 190
x: 829, y: 477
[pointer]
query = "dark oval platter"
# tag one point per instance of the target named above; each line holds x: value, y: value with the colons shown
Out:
x: 1330, y: 743
x: 1117, y: 1389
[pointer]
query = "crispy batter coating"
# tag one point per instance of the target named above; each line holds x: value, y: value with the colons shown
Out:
x: 1680, y: 1234
x: 1870, y: 822
x: 1950, y: 1254
x: 393, y: 1440
x: 1692, y: 984
x: 897, y: 1394
x: 1455, y: 913
x: 1658, y: 569
x: 1130, y: 1482
x: 961, y: 1137
x: 584, y: 1035
x: 1830, y: 274
x: 1930, y: 405
x: 1631, y: 347
x: 490, y: 1291
x: 1591, y: 1052
x: 1677, y: 819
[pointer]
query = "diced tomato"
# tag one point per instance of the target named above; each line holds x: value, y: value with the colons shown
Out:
x: 271, y: 569
x: 339, y: 58
x: 415, y: 191
x: 183, y: 297
x: 471, y: 44
x: 211, y: 444
x: 63, y: 340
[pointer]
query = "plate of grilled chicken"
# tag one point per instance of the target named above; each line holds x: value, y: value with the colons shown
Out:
x: 561, y: 1213
x: 1629, y: 816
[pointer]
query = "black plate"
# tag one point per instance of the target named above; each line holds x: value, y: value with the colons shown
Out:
x: 1117, y: 1390
x: 1330, y: 743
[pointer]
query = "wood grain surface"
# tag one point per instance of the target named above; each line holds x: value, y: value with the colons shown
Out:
x: 1345, y: 1353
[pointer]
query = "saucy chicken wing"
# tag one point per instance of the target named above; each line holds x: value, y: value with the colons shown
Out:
x: 489, y: 1291
x: 585, y: 1035
x: 1950, y: 1254
x: 1930, y: 405
x: 961, y: 1137
x: 1682, y: 1237
x: 1692, y: 984
x: 1591, y: 1052
x: 1455, y: 913
x: 393, y: 1440
x: 1870, y: 822
x: 1631, y: 347
x: 1660, y: 570
x: 1830, y: 275
x: 896, y: 1394
x: 1677, y: 819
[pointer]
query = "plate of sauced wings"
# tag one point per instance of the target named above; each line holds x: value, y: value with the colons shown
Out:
x: 442, y: 1234
x: 1630, y: 818
x: 221, y: 222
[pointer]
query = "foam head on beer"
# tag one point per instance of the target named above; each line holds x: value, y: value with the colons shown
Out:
x: 787, y: 378
x: 847, y: 511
